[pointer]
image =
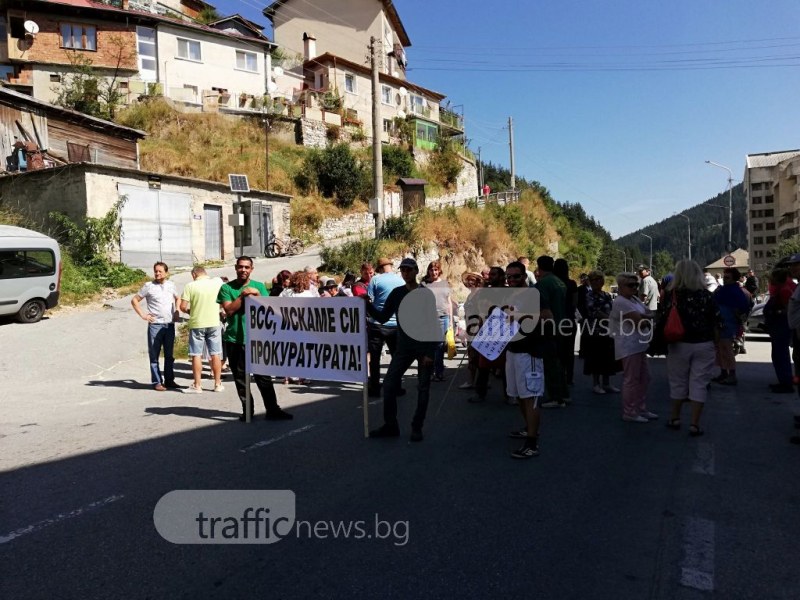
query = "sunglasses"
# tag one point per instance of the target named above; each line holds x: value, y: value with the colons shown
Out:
x: 514, y: 276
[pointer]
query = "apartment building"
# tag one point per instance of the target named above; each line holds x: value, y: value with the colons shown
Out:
x: 773, y: 203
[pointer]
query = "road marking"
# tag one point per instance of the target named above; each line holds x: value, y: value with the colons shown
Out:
x: 704, y: 461
x: 697, y: 569
x: 263, y: 443
x: 58, y: 518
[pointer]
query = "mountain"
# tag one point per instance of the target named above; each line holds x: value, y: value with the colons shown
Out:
x: 709, y: 224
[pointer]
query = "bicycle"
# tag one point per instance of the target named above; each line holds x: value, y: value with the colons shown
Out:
x: 276, y: 247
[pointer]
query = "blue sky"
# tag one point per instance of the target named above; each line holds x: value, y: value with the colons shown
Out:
x: 616, y: 104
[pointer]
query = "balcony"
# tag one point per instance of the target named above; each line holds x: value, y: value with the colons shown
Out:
x: 452, y: 122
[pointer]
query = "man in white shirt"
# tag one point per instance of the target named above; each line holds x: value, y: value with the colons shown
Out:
x: 648, y: 288
x: 162, y: 302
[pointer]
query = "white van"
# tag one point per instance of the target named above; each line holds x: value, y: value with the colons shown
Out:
x: 30, y: 273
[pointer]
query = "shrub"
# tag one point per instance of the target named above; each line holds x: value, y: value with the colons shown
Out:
x: 400, y: 229
x: 397, y: 161
x: 333, y: 132
x: 446, y: 164
x: 349, y: 256
x: 339, y: 174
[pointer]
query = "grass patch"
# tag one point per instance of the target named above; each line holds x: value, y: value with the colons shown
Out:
x: 181, y: 349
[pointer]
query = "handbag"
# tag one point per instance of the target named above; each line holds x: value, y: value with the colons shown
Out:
x: 673, y: 329
x: 450, y: 342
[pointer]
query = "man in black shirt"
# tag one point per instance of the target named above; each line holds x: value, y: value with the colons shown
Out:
x: 418, y: 317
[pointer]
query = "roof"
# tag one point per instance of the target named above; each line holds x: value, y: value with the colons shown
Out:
x: 13, y: 98
x: 388, y: 6
x: 410, y: 181
x: 741, y: 255
x: 259, y: 38
x: 256, y: 28
x: 12, y: 231
x: 149, y: 175
x: 769, y: 159
x: 339, y: 61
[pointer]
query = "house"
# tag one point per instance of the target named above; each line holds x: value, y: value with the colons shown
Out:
x: 144, y: 47
x: 331, y: 80
x: 773, y: 203
x: 179, y: 220
x: 741, y: 260
x: 66, y: 135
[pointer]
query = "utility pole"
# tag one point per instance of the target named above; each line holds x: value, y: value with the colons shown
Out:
x: 730, y: 201
x: 689, y: 228
x: 377, y: 127
x: 480, y: 173
x: 651, y: 250
x: 511, y: 149
x: 266, y: 149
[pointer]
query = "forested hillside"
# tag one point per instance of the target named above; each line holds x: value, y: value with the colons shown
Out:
x: 709, y: 223
x: 584, y: 241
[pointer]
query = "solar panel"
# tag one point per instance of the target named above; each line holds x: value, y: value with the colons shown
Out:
x: 238, y: 183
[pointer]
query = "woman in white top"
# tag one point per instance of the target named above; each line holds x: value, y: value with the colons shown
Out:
x: 631, y: 327
x: 299, y: 286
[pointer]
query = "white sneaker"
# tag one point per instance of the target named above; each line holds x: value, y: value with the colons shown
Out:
x: 219, y: 388
x: 466, y: 386
x: 650, y: 416
x: 611, y: 389
x: 636, y: 419
x: 190, y: 389
x: 598, y: 389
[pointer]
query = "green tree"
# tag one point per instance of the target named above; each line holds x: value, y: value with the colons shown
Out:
x: 397, y: 161
x: 335, y: 172
x: 663, y: 263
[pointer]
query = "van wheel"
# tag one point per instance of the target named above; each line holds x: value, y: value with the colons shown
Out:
x: 31, y: 312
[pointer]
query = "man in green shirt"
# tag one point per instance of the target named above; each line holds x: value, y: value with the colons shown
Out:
x: 231, y: 298
x: 554, y: 294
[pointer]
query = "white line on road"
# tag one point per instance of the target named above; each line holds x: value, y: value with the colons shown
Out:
x: 58, y: 518
x: 697, y: 569
x: 263, y: 443
x: 704, y: 461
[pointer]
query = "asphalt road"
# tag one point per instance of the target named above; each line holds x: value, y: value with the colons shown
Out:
x: 609, y: 509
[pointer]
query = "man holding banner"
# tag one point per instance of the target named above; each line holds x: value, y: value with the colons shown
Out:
x: 231, y: 297
x: 417, y: 321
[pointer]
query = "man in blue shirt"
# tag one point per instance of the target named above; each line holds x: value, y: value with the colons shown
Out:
x: 378, y: 291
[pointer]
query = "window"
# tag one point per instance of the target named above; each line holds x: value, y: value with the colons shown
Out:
x: 26, y: 263
x: 769, y: 199
x: 350, y: 83
x: 388, y: 126
x: 189, y: 50
x: 759, y: 254
x: 758, y: 240
x: 55, y: 78
x: 755, y: 213
x: 769, y: 213
x: 190, y: 93
x: 771, y: 239
x: 386, y: 94
x: 17, y: 25
x: 770, y: 226
x: 146, y: 45
x: 417, y: 104
x: 758, y: 226
x: 246, y: 61
x: 78, y: 37
x: 755, y: 186
x: 756, y: 200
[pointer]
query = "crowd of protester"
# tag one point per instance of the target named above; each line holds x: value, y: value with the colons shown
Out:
x: 693, y: 318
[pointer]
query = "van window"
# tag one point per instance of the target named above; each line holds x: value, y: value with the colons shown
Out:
x: 26, y: 263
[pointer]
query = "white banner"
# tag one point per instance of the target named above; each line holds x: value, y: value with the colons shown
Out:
x: 324, y: 339
x: 495, y: 334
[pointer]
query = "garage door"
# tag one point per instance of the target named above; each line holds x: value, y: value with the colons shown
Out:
x: 212, y: 225
x: 156, y: 226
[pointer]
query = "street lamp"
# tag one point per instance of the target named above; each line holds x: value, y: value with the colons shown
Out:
x: 651, y: 250
x: 689, y: 225
x: 624, y: 260
x: 730, y: 200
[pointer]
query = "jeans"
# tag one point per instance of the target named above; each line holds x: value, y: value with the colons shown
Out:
x: 378, y: 335
x: 161, y: 335
x: 438, y: 358
x: 236, y: 360
x: 780, y: 336
x: 402, y: 359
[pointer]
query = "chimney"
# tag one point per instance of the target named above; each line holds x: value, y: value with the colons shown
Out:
x: 309, y: 46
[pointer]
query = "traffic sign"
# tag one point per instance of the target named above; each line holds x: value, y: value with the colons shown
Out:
x: 729, y: 261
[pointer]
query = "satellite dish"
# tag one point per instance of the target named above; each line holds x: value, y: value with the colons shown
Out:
x: 403, y: 91
x: 401, y: 114
x: 31, y: 27
x: 272, y: 86
x: 277, y: 71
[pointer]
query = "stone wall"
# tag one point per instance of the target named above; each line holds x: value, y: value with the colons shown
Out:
x: 313, y: 134
x: 466, y: 188
x: 354, y: 224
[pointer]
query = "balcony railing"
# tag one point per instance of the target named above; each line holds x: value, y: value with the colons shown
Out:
x: 451, y: 119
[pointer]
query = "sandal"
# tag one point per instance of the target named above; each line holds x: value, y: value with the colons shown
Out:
x: 695, y: 431
x: 674, y: 424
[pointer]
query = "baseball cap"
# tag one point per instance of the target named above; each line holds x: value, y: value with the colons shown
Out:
x: 642, y: 268
x: 329, y: 282
x: 383, y: 261
x: 409, y: 263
